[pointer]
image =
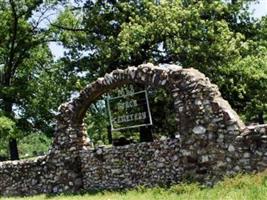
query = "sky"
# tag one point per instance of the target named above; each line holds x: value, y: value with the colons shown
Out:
x: 259, y: 9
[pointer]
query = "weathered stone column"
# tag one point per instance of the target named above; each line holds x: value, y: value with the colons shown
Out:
x: 63, y: 162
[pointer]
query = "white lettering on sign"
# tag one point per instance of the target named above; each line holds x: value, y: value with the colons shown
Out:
x: 131, y: 117
x: 128, y: 104
x: 126, y: 91
x: 129, y: 111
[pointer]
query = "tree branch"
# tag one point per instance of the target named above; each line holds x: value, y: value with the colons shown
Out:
x: 10, y: 58
x: 69, y: 28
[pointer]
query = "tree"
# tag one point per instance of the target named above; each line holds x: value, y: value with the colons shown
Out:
x: 212, y: 36
x: 7, y: 130
x: 201, y: 34
x: 24, y: 53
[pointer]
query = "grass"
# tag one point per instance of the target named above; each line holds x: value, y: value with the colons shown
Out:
x: 241, y: 187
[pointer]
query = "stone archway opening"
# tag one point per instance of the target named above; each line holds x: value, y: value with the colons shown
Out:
x: 128, y: 108
x: 96, y: 123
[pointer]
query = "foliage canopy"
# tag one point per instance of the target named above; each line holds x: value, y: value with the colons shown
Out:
x: 220, y: 38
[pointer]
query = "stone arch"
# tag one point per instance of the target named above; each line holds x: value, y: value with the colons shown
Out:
x: 200, y: 110
x: 198, y: 105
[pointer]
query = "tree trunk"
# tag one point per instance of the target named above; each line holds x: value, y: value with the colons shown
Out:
x: 260, y: 118
x: 109, y: 135
x: 10, y: 67
x: 13, y: 149
x: 146, y: 134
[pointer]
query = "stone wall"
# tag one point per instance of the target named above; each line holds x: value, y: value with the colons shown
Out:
x: 202, y: 158
x: 211, y: 141
x: 21, y: 177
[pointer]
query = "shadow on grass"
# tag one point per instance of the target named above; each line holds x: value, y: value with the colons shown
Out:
x: 177, y: 188
x: 90, y: 192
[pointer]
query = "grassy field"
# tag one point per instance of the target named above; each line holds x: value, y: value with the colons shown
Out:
x: 241, y: 187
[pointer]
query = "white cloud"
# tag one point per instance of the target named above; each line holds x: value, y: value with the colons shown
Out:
x: 259, y: 9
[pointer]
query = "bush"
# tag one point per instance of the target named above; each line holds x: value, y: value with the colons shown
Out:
x: 34, y: 144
